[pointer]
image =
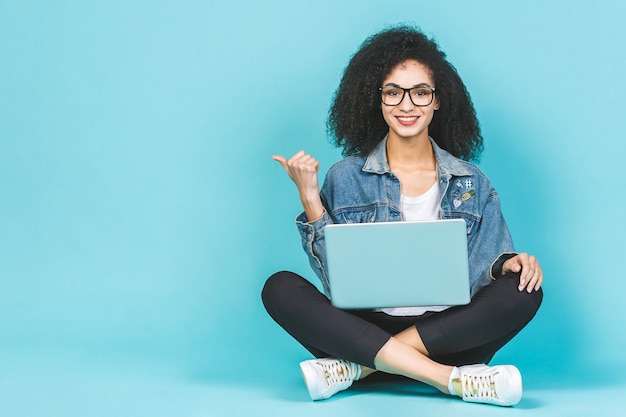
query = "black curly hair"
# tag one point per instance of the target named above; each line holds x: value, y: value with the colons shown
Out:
x: 355, y: 120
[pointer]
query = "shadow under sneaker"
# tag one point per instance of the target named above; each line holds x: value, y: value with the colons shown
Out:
x: 326, y: 377
x: 497, y: 385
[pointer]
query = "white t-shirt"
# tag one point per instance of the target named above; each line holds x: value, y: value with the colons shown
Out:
x: 421, y: 207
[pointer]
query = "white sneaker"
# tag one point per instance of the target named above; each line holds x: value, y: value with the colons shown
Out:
x: 497, y: 385
x: 326, y: 377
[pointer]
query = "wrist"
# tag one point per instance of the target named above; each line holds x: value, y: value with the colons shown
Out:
x: 498, y: 265
x: 310, y: 197
x: 312, y: 204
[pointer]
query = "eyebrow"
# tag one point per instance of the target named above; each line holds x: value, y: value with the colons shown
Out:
x: 415, y: 86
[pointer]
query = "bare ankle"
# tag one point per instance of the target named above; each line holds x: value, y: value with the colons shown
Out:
x: 365, y: 371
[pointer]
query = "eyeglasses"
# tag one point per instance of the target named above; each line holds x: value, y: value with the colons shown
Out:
x: 419, y: 96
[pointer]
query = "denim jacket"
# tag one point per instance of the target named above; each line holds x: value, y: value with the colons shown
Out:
x: 362, y: 189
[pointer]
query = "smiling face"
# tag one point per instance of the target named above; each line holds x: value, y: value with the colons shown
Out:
x: 406, y: 120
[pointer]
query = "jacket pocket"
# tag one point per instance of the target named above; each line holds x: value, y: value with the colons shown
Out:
x: 471, y: 221
x: 365, y: 214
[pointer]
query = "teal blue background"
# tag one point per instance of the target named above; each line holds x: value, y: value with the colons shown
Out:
x: 140, y: 212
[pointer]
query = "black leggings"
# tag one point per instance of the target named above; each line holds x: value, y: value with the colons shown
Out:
x: 460, y: 335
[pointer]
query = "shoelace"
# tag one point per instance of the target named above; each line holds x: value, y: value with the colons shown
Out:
x: 478, y: 386
x: 337, y: 372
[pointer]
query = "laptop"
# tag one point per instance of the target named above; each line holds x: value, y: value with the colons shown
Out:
x: 398, y: 264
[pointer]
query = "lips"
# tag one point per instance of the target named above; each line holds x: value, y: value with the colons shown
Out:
x: 407, y: 120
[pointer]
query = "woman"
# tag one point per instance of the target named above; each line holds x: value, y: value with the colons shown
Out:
x: 404, y: 118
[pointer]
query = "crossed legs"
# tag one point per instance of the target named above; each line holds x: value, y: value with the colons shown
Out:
x: 424, y: 348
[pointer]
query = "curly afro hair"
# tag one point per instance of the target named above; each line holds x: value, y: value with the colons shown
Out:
x: 355, y: 120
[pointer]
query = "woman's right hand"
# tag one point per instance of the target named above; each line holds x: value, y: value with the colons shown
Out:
x: 302, y: 169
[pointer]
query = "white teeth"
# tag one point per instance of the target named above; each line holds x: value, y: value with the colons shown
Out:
x: 407, y: 119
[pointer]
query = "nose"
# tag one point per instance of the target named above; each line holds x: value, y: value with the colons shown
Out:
x: 406, y: 103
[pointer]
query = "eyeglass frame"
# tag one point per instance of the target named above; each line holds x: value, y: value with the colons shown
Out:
x: 408, y: 90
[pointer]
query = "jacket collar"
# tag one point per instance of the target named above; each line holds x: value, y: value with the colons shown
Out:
x: 376, y: 161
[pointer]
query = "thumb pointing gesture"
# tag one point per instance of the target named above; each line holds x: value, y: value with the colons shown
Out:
x: 302, y: 169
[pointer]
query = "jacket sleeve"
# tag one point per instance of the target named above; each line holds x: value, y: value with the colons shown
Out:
x: 491, y: 245
x: 313, y: 243
x: 312, y: 232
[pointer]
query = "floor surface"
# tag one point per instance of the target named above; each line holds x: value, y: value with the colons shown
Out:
x: 81, y: 386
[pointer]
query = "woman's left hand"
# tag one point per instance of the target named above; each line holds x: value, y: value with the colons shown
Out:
x: 531, y: 275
